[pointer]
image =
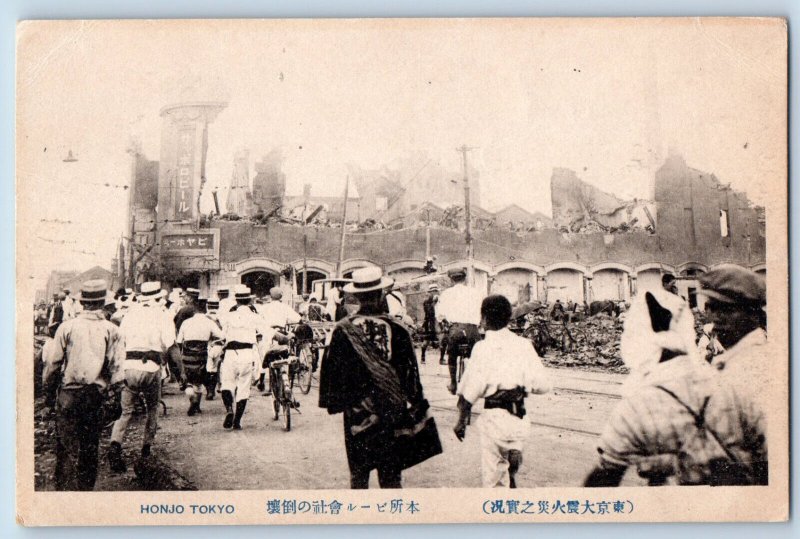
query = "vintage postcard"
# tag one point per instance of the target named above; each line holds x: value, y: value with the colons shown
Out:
x: 402, y: 271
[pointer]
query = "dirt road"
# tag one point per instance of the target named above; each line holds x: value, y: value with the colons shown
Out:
x: 560, y: 452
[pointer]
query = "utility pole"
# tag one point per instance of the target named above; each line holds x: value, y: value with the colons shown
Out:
x: 468, y: 218
x: 306, y: 195
x: 130, y: 278
x: 344, y: 223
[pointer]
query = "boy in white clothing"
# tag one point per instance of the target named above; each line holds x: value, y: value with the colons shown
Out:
x: 503, y: 370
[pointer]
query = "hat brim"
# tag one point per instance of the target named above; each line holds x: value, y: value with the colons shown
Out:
x: 93, y: 299
x: 386, y: 282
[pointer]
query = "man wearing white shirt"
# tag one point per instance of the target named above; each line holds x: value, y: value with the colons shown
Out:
x: 241, y: 327
x: 504, y: 369
x: 226, y: 302
x: 275, y: 314
x: 149, y: 336
x: 194, y: 337
x: 460, y: 305
x: 69, y: 306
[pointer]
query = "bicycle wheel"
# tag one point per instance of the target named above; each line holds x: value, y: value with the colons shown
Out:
x: 276, y: 407
x: 287, y: 416
x: 303, y: 369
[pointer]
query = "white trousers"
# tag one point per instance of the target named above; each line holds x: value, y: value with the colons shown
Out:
x: 236, y: 373
x: 494, y: 459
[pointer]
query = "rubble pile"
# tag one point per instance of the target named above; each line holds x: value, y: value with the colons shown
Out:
x: 590, y: 226
x: 598, y: 342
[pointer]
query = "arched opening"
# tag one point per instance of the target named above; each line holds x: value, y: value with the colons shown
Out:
x: 518, y: 285
x: 610, y: 284
x: 565, y: 284
x: 260, y: 281
x: 313, y: 275
x: 649, y: 279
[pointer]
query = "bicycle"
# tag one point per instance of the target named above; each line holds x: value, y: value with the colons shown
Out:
x: 280, y: 364
x: 305, y: 346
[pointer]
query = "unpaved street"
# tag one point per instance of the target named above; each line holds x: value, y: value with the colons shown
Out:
x: 560, y: 451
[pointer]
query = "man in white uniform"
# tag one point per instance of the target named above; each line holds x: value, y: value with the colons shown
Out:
x: 275, y: 314
x: 215, y: 350
x: 241, y: 327
x: 226, y: 302
x: 149, y: 336
x: 504, y: 369
x: 460, y: 305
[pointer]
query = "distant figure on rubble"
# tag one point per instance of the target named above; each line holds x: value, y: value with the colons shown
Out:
x: 56, y: 314
x: 557, y: 311
x: 678, y: 423
x: 669, y: 283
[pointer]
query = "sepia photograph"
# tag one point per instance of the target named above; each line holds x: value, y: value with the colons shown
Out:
x: 297, y: 263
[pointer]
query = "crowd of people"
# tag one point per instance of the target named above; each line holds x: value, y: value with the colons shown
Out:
x: 686, y: 417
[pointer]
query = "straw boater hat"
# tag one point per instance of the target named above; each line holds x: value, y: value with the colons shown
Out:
x: 225, y: 289
x: 242, y: 291
x: 150, y: 291
x: 194, y: 292
x: 93, y: 291
x: 212, y: 304
x: 367, y: 280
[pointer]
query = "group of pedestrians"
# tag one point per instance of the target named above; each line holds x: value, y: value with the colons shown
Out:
x: 126, y: 353
x: 682, y: 419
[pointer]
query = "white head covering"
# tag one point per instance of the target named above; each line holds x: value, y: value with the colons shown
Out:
x: 641, y: 347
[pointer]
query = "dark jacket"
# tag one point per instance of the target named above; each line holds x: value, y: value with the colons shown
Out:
x: 376, y: 394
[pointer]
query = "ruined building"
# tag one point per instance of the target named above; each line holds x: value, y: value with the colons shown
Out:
x: 269, y: 184
x: 239, y: 197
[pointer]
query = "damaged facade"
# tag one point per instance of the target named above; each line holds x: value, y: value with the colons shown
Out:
x: 597, y: 247
x: 581, y: 207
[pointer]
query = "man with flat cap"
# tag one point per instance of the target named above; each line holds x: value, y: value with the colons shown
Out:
x: 460, y: 305
x: 82, y: 367
x: 735, y: 301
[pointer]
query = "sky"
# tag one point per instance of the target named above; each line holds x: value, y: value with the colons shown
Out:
x: 606, y: 98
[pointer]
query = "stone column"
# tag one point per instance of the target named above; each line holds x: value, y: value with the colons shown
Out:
x: 184, y: 141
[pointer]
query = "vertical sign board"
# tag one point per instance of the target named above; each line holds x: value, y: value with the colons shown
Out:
x: 185, y: 175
